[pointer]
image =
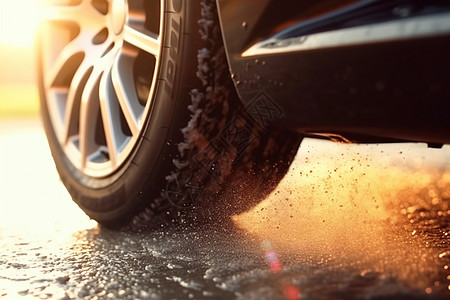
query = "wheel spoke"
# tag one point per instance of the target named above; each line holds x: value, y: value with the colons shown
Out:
x: 72, y: 51
x: 123, y: 82
x: 88, y: 117
x: 143, y: 40
x: 110, y: 112
x: 72, y: 105
x: 71, y: 61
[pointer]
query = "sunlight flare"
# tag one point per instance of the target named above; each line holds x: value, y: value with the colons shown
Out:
x: 18, y: 21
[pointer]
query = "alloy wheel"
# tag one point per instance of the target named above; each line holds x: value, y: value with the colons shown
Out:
x: 99, y: 66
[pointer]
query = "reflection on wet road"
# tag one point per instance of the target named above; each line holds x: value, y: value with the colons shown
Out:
x: 348, y: 222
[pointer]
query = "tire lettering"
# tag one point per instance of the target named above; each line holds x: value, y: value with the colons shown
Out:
x: 173, y: 53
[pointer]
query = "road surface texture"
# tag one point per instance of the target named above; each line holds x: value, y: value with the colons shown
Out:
x: 348, y: 222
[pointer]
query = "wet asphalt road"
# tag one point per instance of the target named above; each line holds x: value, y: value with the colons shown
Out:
x: 348, y: 222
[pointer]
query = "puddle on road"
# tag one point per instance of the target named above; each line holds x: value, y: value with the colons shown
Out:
x: 352, y: 207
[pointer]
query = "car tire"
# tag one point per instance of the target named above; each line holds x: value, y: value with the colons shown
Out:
x: 115, y: 100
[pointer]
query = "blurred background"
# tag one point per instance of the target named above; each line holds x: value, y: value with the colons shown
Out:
x: 18, y: 91
x: 29, y: 184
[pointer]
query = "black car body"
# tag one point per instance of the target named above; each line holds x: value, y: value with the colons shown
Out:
x: 366, y: 71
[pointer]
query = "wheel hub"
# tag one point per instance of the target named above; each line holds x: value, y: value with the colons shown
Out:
x: 118, y: 15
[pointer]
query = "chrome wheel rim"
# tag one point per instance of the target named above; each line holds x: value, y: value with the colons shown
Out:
x: 100, y: 60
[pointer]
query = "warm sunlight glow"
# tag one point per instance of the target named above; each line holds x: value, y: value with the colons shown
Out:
x: 32, y: 198
x: 18, y: 21
x: 349, y: 206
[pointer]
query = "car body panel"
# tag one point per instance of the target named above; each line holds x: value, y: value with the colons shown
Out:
x: 394, y: 87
